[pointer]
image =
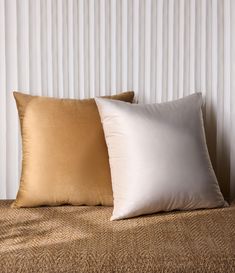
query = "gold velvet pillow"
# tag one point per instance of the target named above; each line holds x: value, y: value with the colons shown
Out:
x: 65, y: 158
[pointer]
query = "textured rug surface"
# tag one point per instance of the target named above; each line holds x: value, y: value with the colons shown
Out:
x: 82, y: 239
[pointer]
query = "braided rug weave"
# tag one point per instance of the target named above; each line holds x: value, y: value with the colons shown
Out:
x: 83, y: 239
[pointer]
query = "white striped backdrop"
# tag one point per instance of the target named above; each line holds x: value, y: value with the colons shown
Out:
x: 161, y: 49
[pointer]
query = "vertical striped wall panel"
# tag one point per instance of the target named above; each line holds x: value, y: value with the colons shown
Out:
x: 161, y: 49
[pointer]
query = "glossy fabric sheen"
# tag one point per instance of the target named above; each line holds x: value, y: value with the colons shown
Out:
x: 65, y: 159
x: 158, y: 157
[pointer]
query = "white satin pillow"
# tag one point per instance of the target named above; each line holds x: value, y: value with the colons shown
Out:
x: 158, y: 157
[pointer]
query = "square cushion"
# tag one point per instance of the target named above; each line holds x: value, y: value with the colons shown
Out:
x: 65, y: 159
x: 158, y: 157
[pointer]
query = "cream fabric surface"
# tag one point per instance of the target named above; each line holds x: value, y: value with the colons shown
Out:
x: 158, y: 157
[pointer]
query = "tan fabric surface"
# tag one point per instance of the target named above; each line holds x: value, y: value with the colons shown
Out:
x: 82, y: 239
x: 65, y: 158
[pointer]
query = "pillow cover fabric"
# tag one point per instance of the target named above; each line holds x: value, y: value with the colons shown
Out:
x: 65, y: 158
x: 158, y: 157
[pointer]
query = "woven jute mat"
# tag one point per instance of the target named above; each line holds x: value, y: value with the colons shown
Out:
x: 83, y: 239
